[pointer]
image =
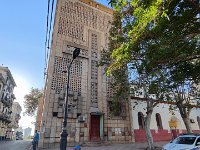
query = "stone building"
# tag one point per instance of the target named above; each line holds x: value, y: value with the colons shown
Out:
x: 15, y: 117
x: 7, y: 97
x: 27, y: 132
x: 83, y: 24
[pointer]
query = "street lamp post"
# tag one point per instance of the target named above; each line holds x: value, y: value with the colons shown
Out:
x: 63, y: 136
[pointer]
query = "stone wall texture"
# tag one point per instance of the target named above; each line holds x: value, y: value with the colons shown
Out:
x: 80, y: 24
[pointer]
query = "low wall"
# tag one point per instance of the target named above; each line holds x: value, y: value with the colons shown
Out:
x: 159, y: 135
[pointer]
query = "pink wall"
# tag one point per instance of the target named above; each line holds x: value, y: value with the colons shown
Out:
x: 160, y: 135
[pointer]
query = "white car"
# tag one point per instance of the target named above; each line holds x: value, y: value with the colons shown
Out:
x: 184, y: 142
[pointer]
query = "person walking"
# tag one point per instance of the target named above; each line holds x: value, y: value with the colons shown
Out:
x: 35, y: 140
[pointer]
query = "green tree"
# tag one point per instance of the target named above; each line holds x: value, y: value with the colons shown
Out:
x: 159, y: 42
x: 31, y: 101
x: 173, y: 48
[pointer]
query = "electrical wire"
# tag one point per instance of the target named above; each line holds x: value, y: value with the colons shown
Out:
x: 52, y: 8
x: 48, y: 33
x: 47, y: 26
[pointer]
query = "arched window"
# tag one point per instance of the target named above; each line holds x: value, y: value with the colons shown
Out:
x: 141, y: 120
x: 198, y: 120
x: 159, y: 121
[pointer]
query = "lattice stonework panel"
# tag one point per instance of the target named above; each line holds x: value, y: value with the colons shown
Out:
x: 94, y: 70
x: 94, y: 48
x: 94, y: 93
x: 75, y: 15
x: 60, y: 78
x: 109, y: 90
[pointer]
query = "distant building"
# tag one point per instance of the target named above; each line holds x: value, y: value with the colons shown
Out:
x: 27, y: 132
x: 15, y: 117
x: 7, y: 97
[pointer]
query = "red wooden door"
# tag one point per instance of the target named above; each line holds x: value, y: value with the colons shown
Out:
x: 95, y: 128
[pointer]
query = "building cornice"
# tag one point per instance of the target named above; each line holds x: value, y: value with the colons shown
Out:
x: 98, y: 6
x: 6, y: 69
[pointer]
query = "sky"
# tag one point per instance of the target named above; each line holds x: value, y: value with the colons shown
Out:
x: 22, y: 46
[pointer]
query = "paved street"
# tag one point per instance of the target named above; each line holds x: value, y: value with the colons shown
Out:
x: 26, y: 145
x: 134, y: 146
x: 15, y: 145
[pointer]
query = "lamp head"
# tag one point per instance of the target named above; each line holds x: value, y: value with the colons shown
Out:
x: 76, y: 52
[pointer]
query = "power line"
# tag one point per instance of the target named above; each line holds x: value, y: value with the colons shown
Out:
x: 48, y: 32
x: 52, y: 6
x: 47, y: 26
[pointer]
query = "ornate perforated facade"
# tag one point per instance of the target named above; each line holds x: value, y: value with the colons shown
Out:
x: 84, y: 24
x: 7, y: 97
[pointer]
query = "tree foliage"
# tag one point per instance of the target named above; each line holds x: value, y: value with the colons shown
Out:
x: 158, y: 41
x: 157, y: 37
x: 31, y: 101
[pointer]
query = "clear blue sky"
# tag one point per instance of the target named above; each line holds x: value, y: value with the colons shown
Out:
x: 22, y: 36
x: 22, y: 39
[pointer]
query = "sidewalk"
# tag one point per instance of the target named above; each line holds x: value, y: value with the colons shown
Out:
x: 133, y: 146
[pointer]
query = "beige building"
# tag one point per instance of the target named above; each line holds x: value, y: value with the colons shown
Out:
x: 7, y: 97
x: 15, y: 117
x: 83, y: 24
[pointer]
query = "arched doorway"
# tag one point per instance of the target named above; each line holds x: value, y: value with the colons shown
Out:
x: 159, y: 121
x: 198, y: 121
x: 141, y: 120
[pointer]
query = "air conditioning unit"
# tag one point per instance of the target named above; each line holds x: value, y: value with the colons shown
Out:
x: 81, y: 119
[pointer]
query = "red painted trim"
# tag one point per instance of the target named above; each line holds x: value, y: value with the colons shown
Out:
x: 196, y: 131
x: 160, y: 135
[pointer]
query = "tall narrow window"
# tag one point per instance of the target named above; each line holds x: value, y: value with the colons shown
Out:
x: 198, y: 121
x: 159, y: 121
x: 141, y: 120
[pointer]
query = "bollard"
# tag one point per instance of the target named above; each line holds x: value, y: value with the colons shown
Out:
x: 77, y: 147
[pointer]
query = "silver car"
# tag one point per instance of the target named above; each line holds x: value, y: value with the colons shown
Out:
x: 184, y: 142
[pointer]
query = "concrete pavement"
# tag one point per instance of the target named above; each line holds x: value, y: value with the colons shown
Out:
x: 133, y: 146
x: 15, y: 145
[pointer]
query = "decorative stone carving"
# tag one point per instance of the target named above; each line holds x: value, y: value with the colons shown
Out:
x: 59, y: 79
x: 94, y: 71
x: 74, y: 16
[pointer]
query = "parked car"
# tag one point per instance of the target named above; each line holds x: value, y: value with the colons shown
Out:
x: 19, y: 136
x: 184, y: 142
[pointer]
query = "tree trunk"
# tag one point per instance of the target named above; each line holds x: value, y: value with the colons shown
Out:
x: 148, y: 130
x: 185, y: 113
x: 187, y: 123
